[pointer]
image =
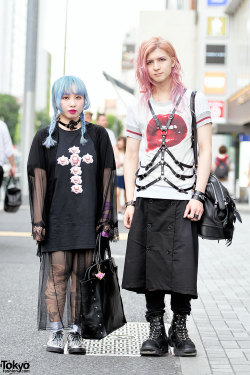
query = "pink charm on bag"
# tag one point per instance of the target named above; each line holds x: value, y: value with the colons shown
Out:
x: 100, y: 275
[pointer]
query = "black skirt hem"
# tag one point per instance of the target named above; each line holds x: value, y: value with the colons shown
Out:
x: 167, y: 291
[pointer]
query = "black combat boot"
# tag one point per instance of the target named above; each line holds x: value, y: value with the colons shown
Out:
x: 178, y: 337
x: 157, y: 343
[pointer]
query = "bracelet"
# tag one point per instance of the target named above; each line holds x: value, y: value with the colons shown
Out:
x: 129, y: 203
x: 199, y: 196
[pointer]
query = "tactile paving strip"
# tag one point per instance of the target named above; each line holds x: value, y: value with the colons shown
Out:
x: 125, y: 341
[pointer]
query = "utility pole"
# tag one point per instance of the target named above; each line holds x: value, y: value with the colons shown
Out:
x: 29, y: 88
x: 65, y: 36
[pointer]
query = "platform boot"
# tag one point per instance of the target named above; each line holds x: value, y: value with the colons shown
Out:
x: 157, y: 342
x: 178, y: 337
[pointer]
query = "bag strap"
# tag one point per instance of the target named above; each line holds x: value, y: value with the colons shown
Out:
x: 97, y: 256
x: 12, y: 179
x: 194, y: 129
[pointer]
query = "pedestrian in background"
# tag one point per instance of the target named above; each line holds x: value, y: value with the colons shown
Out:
x: 71, y: 174
x: 121, y: 145
x: 88, y: 116
x: 222, y: 164
x: 162, y: 247
x: 101, y: 120
x: 6, y: 151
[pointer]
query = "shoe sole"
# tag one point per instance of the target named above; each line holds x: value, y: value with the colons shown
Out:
x: 54, y: 350
x: 155, y: 353
x: 77, y: 351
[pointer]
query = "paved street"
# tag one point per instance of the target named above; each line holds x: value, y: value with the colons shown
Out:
x: 219, y: 325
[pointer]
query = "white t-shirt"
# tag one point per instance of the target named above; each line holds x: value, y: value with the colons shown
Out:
x: 111, y: 136
x: 6, y: 147
x: 141, y: 125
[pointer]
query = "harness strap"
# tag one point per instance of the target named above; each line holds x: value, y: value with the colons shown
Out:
x: 181, y: 176
x: 167, y: 181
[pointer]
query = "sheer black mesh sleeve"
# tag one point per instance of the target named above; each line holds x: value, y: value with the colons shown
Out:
x: 37, y: 182
x: 108, y: 215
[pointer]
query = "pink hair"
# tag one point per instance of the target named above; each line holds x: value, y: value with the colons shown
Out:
x: 145, y: 82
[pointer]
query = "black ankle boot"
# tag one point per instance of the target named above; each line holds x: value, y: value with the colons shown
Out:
x: 178, y: 337
x: 157, y: 343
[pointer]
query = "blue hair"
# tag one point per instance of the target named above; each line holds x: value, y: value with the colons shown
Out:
x: 64, y: 86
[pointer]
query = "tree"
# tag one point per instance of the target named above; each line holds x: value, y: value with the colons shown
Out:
x: 115, y: 124
x: 9, y: 112
x: 42, y: 119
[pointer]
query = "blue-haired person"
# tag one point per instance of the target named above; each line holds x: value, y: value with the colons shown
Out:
x: 71, y: 175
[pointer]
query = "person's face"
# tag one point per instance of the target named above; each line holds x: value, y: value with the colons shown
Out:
x: 102, y: 121
x: 87, y: 117
x: 72, y: 106
x: 120, y: 144
x: 159, y: 65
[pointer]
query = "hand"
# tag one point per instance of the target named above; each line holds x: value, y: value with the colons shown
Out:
x: 128, y: 216
x: 193, y: 207
x: 38, y: 233
x: 118, y: 164
x: 12, y: 171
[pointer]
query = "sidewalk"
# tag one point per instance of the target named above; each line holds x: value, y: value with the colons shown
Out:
x: 219, y: 325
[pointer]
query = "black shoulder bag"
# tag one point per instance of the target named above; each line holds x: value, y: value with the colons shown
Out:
x: 101, y: 307
x: 220, y: 213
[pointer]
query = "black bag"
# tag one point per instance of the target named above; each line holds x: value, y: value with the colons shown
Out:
x: 102, y: 308
x: 13, y: 195
x: 220, y: 213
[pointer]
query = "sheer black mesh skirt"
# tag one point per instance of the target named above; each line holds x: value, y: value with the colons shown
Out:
x: 59, y: 297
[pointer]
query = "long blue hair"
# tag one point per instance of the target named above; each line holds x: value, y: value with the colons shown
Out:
x: 66, y: 85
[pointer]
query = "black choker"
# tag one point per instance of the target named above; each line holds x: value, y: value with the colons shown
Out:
x: 71, y: 125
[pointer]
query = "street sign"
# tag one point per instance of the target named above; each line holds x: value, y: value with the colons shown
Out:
x: 216, y: 2
x: 216, y: 26
x: 214, y: 83
x: 215, y: 54
x: 217, y: 108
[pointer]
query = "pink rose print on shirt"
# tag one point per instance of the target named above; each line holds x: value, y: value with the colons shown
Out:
x: 76, y: 171
x: 87, y: 158
x: 63, y: 160
x: 77, y: 189
x: 75, y: 160
x: 74, y: 150
x: 175, y: 134
x: 76, y: 179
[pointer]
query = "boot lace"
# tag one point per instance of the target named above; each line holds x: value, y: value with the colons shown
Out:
x: 181, y: 328
x: 155, y: 329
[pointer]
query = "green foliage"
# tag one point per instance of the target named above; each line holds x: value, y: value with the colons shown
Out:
x: 115, y: 124
x: 42, y: 119
x: 9, y: 110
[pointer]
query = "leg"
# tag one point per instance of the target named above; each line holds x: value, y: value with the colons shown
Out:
x: 157, y: 342
x: 118, y: 192
x: 81, y: 261
x: 55, y: 295
x: 178, y: 333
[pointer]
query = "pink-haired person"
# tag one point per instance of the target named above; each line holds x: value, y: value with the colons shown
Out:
x: 164, y: 196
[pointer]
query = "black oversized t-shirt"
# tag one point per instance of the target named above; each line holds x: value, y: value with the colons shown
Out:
x: 72, y: 216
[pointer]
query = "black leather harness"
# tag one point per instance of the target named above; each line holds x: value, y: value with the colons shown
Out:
x: 150, y: 167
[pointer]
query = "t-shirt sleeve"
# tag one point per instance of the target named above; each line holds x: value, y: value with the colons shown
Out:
x: 132, y: 124
x: 202, y: 110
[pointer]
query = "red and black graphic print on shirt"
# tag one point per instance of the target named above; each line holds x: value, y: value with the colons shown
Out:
x: 175, y: 134
x: 75, y: 160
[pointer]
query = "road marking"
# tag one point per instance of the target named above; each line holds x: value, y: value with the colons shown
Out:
x: 122, y: 236
x: 15, y: 234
